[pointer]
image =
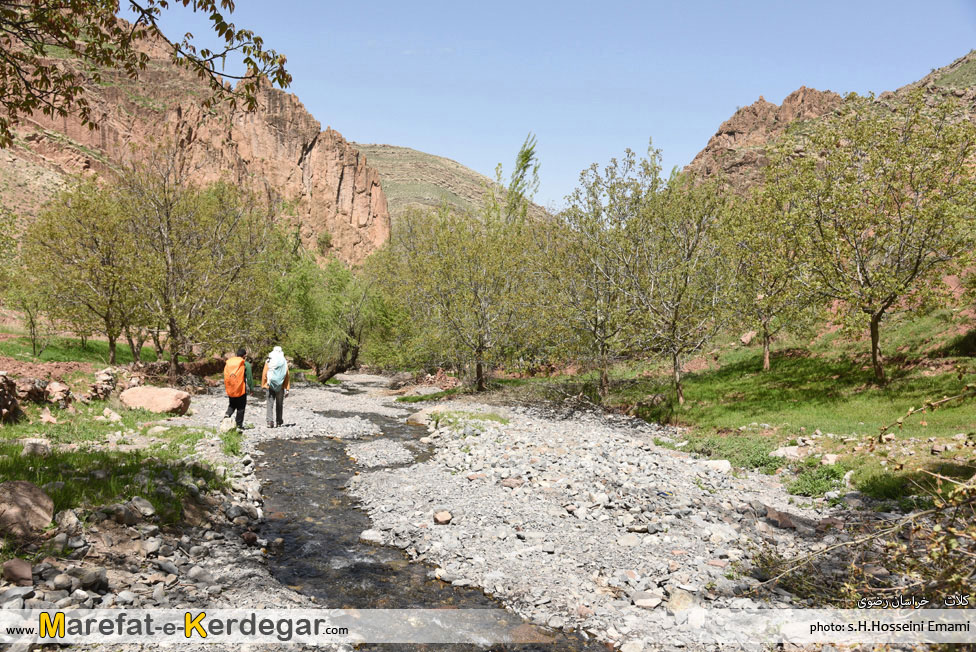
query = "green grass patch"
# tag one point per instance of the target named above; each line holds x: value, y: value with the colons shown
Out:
x: 827, y: 386
x: 816, y: 480
x: 87, y: 479
x: 74, y: 428
x: 447, y: 393
x: 742, y: 450
x: 70, y: 349
x: 232, y: 440
x: 455, y: 418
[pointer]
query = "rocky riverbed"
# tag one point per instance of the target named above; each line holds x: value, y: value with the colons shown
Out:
x: 585, y: 523
x: 578, y: 522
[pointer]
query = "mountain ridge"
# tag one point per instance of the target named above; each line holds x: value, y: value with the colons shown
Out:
x: 737, y: 150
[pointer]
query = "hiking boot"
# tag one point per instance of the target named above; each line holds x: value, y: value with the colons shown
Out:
x: 271, y: 424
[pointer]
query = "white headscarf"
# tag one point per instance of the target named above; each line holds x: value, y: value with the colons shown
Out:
x: 276, y: 359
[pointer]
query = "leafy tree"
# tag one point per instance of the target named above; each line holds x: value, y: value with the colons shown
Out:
x: 679, y: 276
x: 89, y: 31
x: 580, y: 254
x: 203, y: 260
x: 772, y: 282
x: 885, y: 195
x: 329, y: 312
x: 82, y: 251
x: 465, y: 275
x: 31, y: 300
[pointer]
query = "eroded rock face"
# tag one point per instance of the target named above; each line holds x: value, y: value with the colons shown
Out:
x: 24, y: 508
x: 738, y: 149
x: 323, y: 182
x: 161, y: 400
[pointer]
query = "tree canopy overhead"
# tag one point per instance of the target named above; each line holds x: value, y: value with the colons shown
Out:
x: 91, y: 32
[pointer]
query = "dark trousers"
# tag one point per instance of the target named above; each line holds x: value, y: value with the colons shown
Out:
x: 237, y: 403
x: 275, y: 405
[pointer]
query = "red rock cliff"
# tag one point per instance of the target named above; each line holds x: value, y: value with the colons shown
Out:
x: 324, y: 181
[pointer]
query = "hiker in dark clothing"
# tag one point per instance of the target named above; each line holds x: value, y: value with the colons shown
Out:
x: 238, y: 381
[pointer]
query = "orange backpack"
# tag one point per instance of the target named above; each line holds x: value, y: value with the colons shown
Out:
x: 234, y: 380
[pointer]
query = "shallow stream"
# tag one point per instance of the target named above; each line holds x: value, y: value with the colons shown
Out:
x: 306, y: 505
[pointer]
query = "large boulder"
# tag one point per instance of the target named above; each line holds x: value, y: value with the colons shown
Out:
x: 401, y: 379
x: 24, y: 508
x: 156, y: 399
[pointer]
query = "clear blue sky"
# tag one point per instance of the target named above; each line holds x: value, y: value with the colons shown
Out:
x: 469, y: 80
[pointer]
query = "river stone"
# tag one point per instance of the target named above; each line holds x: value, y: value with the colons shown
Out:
x: 92, y: 579
x: 790, y: 452
x: 35, y: 446
x: 151, y: 545
x: 167, y: 567
x: 628, y: 540
x: 160, y: 400
x: 22, y: 592
x: 442, y: 517
x: 722, y: 466
x: 62, y: 581
x: 680, y: 601
x: 647, y: 600
x: 143, y: 506
x: 24, y: 508
x: 371, y: 536
x: 68, y: 521
x: 125, y: 597
x: 198, y: 574
x: 779, y: 519
x: 18, y: 571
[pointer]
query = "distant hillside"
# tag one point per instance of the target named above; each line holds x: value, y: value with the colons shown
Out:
x: 413, y: 179
x: 737, y: 151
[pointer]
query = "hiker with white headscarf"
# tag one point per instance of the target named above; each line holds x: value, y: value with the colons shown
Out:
x: 277, y: 380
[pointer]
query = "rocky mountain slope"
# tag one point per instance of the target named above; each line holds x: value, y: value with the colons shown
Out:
x: 323, y: 181
x: 417, y: 180
x: 737, y: 150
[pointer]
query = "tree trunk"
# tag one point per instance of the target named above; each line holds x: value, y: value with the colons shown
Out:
x: 111, y: 348
x: 157, y: 343
x: 346, y: 360
x: 876, y: 361
x: 140, y: 341
x: 32, y: 330
x: 676, y: 367
x: 136, y: 349
x: 604, y: 382
x: 174, y: 349
x: 84, y: 340
x: 479, y: 372
x: 766, y: 340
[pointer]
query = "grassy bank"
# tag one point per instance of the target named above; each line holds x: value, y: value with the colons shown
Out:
x: 95, y: 461
x: 70, y: 349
